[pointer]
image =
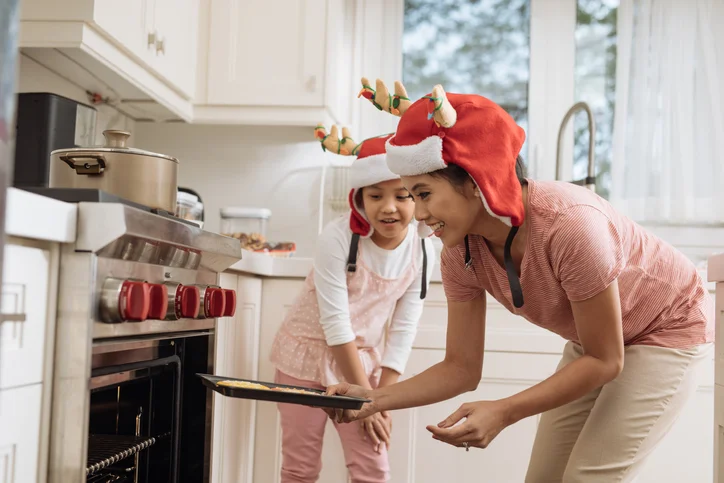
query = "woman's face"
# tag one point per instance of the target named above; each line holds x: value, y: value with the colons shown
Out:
x: 449, y: 210
x: 389, y: 208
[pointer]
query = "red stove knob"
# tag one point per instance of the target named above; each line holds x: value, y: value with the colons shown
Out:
x: 133, y: 301
x: 214, y: 302
x: 229, y: 303
x: 188, y: 301
x: 158, y: 301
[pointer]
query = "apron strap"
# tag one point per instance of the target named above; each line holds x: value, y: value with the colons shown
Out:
x: 515, y: 290
x: 423, y: 291
x: 352, y: 258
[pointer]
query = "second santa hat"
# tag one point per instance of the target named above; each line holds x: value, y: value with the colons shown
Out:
x: 369, y: 167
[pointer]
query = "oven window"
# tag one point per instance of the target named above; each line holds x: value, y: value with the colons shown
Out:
x: 133, y: 422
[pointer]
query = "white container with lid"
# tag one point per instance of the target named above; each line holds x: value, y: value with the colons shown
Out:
x: 189, y: 207
x: 244, y: 220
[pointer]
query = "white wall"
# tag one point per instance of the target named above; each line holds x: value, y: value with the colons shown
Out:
x: 271, y: 167
x: 34, y: 77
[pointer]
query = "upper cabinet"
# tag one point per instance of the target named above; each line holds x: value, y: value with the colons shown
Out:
x: 141, y: 53
x: 267, y: 53
x: 278, y: 62
x: 174, y: 40
x: 162, y: 33
x: 265, y: 62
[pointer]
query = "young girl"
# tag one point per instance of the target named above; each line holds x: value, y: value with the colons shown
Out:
x: 637, y: 317
x: 369, y: 266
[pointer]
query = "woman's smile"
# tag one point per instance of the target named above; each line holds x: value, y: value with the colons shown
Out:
x: 437, y: 228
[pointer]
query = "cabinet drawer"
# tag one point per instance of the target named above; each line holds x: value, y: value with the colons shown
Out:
x: 20, y: 434
x: 25, y: 307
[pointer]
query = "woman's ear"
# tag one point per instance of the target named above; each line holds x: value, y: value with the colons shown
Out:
x: 471, y: 189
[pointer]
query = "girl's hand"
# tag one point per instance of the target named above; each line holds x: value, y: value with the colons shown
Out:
x: 483, y: 421
x: 378, y: 428
x: 349, y: 415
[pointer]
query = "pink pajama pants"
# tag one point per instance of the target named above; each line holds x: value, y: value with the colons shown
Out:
x: 303, y: 435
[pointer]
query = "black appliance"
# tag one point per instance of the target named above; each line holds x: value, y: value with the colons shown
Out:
x: 46, y: 122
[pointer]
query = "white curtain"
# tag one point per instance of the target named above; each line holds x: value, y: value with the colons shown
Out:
x: 668, y: 143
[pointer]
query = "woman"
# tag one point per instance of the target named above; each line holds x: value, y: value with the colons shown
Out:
x: 636, y: 315
x: 370, y: 267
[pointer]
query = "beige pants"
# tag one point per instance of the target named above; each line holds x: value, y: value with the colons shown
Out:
x: 607, y: 435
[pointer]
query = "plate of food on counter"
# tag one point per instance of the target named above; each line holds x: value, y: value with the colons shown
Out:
x: 268, y: 391
x: 257, y: 242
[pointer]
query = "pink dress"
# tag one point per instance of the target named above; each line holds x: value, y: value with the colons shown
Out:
x: 300, y: 349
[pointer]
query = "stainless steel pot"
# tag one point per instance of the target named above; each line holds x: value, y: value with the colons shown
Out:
x: 140, y: 176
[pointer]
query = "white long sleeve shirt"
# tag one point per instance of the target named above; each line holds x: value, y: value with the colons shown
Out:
x: 330, y: 279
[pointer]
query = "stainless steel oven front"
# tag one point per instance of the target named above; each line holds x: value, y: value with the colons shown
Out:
x: 136, y: 322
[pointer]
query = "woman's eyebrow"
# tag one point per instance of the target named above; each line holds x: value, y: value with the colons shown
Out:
x: 419, y: 186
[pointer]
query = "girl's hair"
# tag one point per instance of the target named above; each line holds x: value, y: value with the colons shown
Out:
x: 359, y: 197
x: 457, y: 176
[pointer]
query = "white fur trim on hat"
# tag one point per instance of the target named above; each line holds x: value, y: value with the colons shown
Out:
x: 504, y: 219
x: 415, y: 159
x: 369, y: 170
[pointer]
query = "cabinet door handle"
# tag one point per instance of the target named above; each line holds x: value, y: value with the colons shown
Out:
x: 152, y: 39
x: 312, y: 84
x: 12, y: 318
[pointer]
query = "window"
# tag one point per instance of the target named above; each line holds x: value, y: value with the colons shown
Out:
x: 595, y: 80
x: 472, y: 46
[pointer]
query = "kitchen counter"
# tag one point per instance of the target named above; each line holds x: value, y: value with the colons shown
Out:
x: 294, y: 267
x: 29, y: 215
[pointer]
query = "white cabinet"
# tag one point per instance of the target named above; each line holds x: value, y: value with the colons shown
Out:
x: 716, y: 270
x: 517, y: 356
x: 174, y: 34
x: 278, y: 62
x: 25, y: 294
x: 277, y: 297
x: 128, y: 24
x: 28, y: 305
x: 267, y: 52
x: 20, y: 416
x: 135, y: 51
x: 237, y: 349
x: 163, y: 33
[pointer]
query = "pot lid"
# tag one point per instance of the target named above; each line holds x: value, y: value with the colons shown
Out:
x: 115, y: 143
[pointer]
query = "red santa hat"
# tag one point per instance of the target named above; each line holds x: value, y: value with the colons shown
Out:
x: 476, y: 134
x: 470, y: 131
x: 369, y: 167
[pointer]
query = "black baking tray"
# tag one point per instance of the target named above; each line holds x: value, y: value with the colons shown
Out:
x: 320, y: 400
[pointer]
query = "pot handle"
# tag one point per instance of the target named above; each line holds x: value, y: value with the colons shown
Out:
x: 84, y: 167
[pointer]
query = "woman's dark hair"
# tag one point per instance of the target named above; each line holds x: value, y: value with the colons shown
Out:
x: 457, y: 176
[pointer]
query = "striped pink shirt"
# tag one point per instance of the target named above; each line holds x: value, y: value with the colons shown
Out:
x: 578, y: 245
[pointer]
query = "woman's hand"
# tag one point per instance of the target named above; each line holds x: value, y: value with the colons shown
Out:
x: 378, y: 428
x: 483, y: 421
x: 349, y: 415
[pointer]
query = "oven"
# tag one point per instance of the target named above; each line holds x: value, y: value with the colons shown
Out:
x: 137, y: 309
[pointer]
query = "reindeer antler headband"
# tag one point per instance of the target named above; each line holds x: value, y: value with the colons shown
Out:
x: 344, y: 146
x: 442, y: 111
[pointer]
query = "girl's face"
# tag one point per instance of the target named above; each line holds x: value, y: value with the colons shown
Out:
x: 389, y: 208
x: 449, y: 210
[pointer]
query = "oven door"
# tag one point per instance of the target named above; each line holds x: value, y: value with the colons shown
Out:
x: 148, y: 411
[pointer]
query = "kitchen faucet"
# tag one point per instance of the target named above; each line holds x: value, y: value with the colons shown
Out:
x: 590, y: 180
